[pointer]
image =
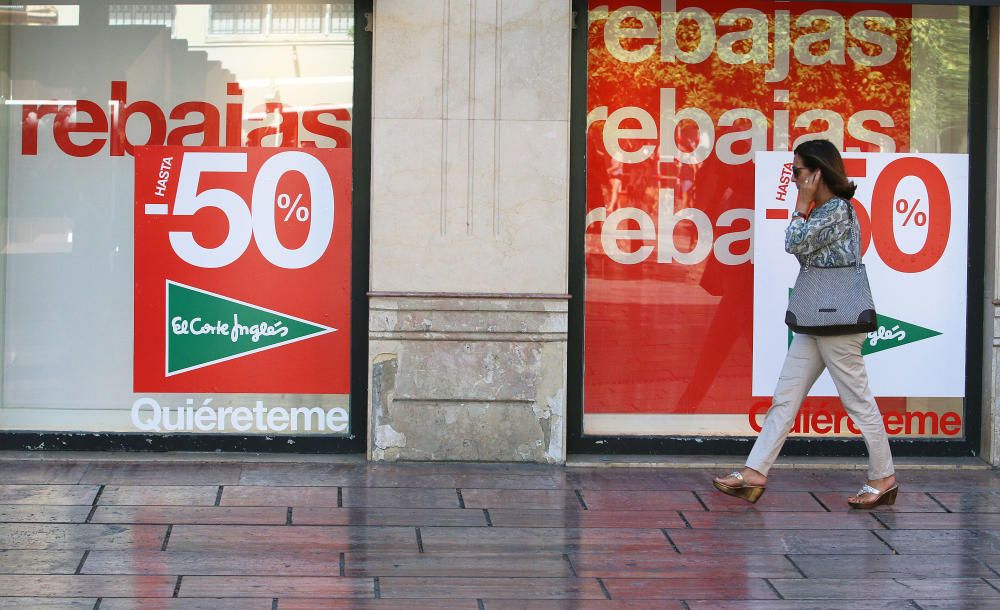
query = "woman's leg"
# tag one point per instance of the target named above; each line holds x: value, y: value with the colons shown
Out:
x: 842, y: 357
x: 802, y: 366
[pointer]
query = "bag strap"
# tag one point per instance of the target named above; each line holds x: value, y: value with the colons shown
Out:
x: 855, y: 239
x: 854, y: 234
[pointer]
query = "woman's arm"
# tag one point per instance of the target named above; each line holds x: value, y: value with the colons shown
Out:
x: 825, y: 225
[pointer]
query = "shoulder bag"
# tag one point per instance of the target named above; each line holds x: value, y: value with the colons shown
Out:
x: 833, y: 300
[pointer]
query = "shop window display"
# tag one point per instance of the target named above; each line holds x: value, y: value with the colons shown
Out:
x: 693, y: 109
x: 177, y: 218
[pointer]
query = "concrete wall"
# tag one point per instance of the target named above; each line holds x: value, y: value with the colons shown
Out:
x: 468, y: 379
x: 469, y: 230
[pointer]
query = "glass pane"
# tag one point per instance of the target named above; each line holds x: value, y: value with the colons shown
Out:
x: 686, y: 208
x: 168, y: 265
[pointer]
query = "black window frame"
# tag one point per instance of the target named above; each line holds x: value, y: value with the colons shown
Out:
x: 969, y: 445
x: 356, y: 440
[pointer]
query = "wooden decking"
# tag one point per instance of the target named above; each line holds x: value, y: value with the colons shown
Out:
x: 247, y: 536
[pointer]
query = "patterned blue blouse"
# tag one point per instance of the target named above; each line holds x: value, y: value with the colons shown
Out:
x: 825, y: 239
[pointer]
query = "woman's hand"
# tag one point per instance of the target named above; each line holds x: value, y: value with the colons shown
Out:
x: 807, y: 185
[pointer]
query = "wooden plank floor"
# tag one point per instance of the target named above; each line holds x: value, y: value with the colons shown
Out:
x: 475, y: 536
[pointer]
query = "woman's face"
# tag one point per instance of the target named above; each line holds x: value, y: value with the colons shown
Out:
x: 802, y: 175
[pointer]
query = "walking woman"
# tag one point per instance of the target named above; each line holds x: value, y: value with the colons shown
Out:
x: 822, y: 233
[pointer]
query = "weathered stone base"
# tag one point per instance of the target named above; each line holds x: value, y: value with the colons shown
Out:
x: 991, y: 391
x: 467, y: 378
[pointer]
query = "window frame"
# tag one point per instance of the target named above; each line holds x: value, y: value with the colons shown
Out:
x: 969, y: 445
x: 356, y: 440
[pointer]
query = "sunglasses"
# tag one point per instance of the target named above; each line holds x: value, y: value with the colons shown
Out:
x: 796, y: 169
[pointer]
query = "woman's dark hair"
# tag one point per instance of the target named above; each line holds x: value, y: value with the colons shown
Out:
x: 824, y: 156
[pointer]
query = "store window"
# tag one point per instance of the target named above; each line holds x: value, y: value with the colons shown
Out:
x: 176, y: 218
x: 693, y: 109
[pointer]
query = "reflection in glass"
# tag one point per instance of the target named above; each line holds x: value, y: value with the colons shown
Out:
x: 77, y: 100
x: 676, y: 110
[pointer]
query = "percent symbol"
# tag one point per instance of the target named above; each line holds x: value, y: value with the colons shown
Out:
x: 285, y: 203
x: 919, y: 218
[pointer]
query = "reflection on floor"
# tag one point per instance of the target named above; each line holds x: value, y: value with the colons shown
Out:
x: 78, y: 534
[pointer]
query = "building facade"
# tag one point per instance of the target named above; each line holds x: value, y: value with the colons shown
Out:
x: 497, y: 230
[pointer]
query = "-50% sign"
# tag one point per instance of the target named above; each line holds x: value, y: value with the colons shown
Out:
x: 891, y: 199
x: 257, y: 220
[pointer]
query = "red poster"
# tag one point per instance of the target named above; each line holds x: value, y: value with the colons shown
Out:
x: 242, y: 270
x: 678, y: 101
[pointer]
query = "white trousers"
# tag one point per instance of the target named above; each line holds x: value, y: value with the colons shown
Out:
x: 807, y: 356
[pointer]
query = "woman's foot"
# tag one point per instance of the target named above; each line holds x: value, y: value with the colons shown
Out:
x: 748, y: 478
x: 875, y: 493
x: 747, y: 484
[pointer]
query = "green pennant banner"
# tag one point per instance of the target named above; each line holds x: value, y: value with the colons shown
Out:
x: 894, y: 333
x: 204, y: 328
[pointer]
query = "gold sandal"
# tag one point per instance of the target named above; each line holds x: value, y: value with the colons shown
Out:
x: 887, y: 497
x: 750, y: 493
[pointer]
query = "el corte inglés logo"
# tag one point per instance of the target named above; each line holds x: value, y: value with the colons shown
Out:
x: 889, y: 334
x: 894, y: 333
x: 204, y: 328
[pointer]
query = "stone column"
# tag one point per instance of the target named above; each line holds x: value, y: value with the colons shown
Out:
x: 469, y: 230
x: 991, y: 360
